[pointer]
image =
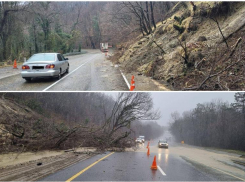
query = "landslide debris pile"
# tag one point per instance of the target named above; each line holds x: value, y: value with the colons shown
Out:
x: 47, y: 126
x: 187, y: 50
x: 23, y: 129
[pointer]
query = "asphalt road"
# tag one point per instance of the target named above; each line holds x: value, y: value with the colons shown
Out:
x: 135, y: 166
x: 88, y: 72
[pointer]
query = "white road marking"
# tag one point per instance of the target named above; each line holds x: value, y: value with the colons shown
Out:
x: 125, y: 79
x: 160, y: 169
x: 68, y: 74
x: 10, y: 75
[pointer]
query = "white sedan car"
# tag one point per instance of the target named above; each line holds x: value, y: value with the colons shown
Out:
x: 138, y: 140
x: 163, y: 144
x: 45, y: 65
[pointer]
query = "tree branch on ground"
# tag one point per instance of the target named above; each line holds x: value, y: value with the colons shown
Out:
x: 211, y: 74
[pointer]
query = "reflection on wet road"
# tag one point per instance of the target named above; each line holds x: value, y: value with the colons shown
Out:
x: 135, y: 166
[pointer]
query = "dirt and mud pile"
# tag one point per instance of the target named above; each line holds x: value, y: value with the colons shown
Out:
x: 21, y: 128
x: 187, y: 50
x: 33, y: 166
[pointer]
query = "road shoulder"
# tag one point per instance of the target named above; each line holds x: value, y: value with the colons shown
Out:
x: 33, y: 166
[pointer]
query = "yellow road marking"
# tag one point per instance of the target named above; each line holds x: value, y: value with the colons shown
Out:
x: 76, y: 175
x: 220, y: 170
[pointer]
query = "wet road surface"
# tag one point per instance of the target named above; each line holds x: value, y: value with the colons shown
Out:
x: 135, y: 166
x: 88, y: 72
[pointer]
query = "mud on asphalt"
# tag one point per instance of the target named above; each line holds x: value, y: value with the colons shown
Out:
x: 36, y: 169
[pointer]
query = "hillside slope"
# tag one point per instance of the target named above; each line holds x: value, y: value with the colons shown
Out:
x: 23, y: 129
x: 187, y: 50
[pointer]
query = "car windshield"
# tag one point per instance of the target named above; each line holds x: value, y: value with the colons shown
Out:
x: 163, y: 141
x: 42, y: 57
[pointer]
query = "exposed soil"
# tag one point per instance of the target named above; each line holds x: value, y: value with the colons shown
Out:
x: 143, y: 83
x: 206, y: 50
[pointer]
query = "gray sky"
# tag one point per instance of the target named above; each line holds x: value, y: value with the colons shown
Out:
x: 169, y: 102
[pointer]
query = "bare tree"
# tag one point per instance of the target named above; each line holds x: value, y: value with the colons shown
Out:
x: 128, y: 108
x: 213, y: 124
x: 143, y: 12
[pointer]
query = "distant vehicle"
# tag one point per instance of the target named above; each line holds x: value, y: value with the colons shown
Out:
x: 138, y: 140
x: 104, y: 47
x: 163, y: 143
x: 142, y: 138
x: 45, y: 65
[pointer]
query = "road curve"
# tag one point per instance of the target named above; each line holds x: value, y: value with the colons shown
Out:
x: 88, y: 72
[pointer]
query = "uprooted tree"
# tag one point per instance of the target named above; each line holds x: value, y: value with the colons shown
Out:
x: 28, y: 130
x: 128, y: 108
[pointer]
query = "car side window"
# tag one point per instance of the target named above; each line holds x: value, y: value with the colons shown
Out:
x: 63, y: 58
x: 59, y: 57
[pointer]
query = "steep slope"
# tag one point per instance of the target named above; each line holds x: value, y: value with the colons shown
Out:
x: 187, y: 50
x: 22, y: 128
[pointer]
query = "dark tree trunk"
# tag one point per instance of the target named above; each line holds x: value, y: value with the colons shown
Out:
x: 152, y: 14
x: 92, y: 42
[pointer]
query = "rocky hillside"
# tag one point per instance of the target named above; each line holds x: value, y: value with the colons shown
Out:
x: 198, y: 46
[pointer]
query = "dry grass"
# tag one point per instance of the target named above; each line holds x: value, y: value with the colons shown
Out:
x: 141, y: 53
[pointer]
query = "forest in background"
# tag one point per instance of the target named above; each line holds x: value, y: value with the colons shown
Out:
x: 32, y: 27
x: 37, y: 121
x: 214, y: 124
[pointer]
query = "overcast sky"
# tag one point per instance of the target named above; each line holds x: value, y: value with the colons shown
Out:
x: 169, y: 102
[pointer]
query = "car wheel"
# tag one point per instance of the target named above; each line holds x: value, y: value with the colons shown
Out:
x: 67, y: 70
x: 28, y: 79
x: 59, y: 75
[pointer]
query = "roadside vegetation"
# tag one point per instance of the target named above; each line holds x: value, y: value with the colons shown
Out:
x: 33, y: 27
x: 38, y: 121
x: 181, y: 45
x: 216, y: 124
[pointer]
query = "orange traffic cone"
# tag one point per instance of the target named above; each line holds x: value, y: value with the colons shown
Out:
x: 154, y: 164
x: 132, y: 87
x: 15, y: 64
x: 148, y: 152
x: 148, y: 145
